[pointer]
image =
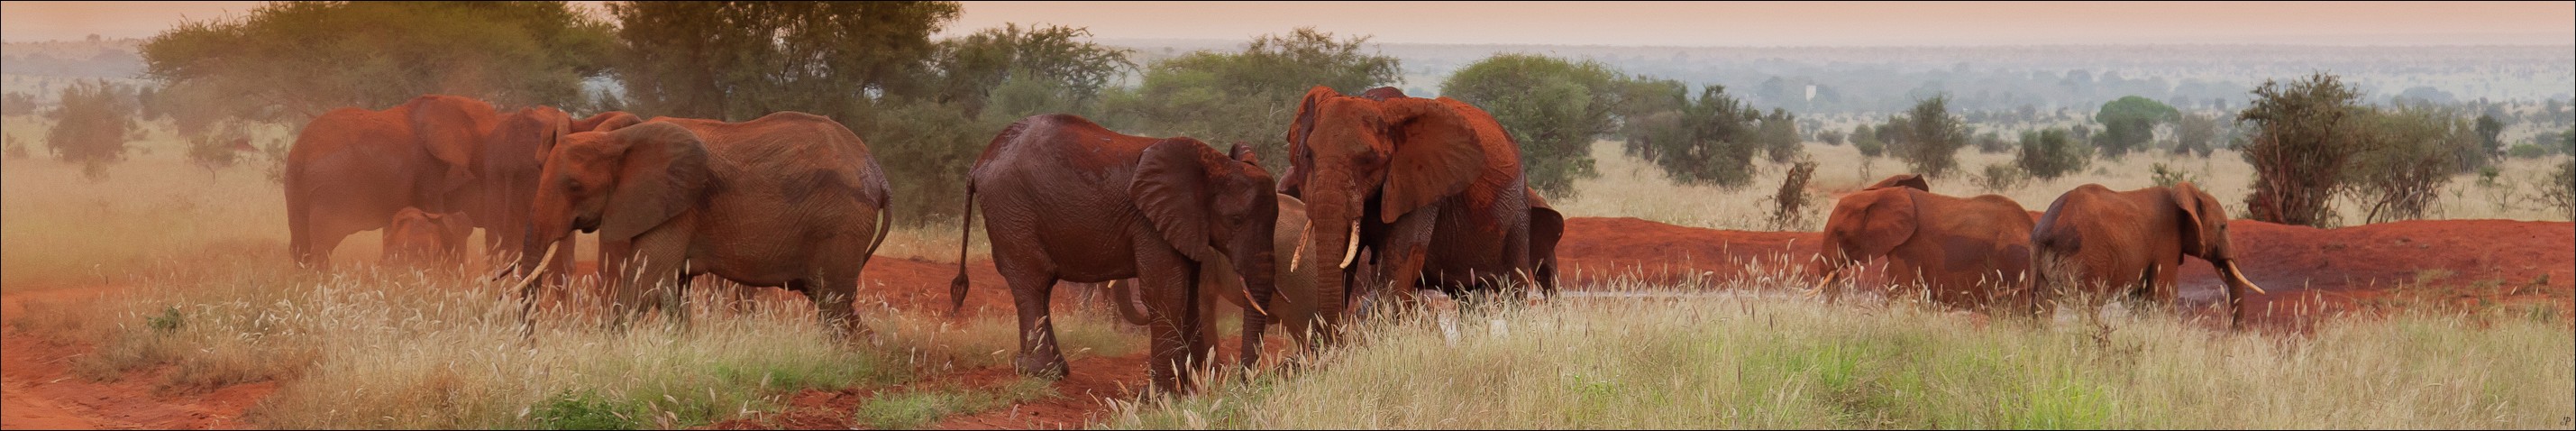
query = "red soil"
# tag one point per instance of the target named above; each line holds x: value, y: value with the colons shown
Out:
x: 2307, y: 271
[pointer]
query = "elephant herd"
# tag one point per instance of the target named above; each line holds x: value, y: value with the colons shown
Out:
x: 1381, y: 189
x: 1988, y: 251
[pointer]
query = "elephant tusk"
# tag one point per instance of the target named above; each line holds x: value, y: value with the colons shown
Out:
x: 1352, y: 252
x: 1820, y: 284
x: 540, y: 269
x: 2239, y: 276
x: 1256, y: 305
x: 1299, y: 253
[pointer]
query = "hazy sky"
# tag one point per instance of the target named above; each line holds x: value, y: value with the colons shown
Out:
x: 1638, y: 23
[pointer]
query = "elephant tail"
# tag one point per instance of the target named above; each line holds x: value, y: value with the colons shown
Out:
x: 965, y: 235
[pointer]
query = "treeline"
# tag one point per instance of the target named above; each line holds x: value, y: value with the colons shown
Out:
x: 927, y: 107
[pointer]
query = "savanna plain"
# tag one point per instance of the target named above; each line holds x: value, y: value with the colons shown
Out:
x: 161, y: 296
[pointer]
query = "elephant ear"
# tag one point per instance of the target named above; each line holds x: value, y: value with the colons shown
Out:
x: 2187, y: 198
x: 661, y: 172
x: 1243, y: 153
x: 1888, y: 221
x: 1171, y: 188
x: 1435, y: 155
x: 454, y: 227
x: 1902, y: 180
x: 1306, y: 112
x: 452, y: 131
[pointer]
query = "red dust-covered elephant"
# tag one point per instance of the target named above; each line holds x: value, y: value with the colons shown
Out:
x: 1967, y: 252
x: 1068, y: 200
x: 1430, y: 188
x: 2131, y: 243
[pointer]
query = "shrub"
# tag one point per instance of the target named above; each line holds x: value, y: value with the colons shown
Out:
x: 1932, y: 138
x: 2168, y: 176
x: 1831, y: 137
x: 1865, y: 138
x: 1790, y: 209
x: 2048, y: 154
x: 1552, y: 107
x: 2194, y: 133
x: 586, y: 411
x: 2000, y: 177
x: 926, y: 148
x: 2298, y: 148
x: 92, y: 126
x: 2527, y: 151
x: 1992, y: 142
x: 2403, y: 159
x: 1778, y: 134
x: 15, y: 149
x: 2561, y: 190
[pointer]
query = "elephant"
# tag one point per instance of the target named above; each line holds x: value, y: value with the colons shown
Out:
x: 415, y: 237
x: 790, y: 200
x: 351, y: 169
x: 1432, y: 189
x: 606, y: 121
x: 1069, y: 200
x: 1292, y: 302
x: 1968, y: 252
x: 2132, y: 242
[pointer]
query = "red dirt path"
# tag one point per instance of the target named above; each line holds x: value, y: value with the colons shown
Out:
x: 2308, y: 271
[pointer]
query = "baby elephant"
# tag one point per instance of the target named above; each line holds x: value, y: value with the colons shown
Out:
x: 420, y: 238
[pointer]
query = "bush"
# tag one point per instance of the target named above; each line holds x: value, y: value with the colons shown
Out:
x: 1831, y: 137
x: 1248, y: 96
x: 2001, y: 177
x: 2128, y: 123
x: 15, y: 149
x: 1790, y: 203
x: 2403, y: 159
x: 2193, y: 135
x: 2048, y: 154
x: 2561, y: 190
x: 2299, y: 148
x: 1992, y: 142
x: 1865, y: 138
x: 1931, y: 138
x: 1552, y: 107
x: 2527, y: 151
x: 92, y: 126
x: 2168, y: 176
x: 926, y: 149
x: 1778, y: 134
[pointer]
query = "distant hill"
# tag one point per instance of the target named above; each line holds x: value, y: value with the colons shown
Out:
x: 73, y: 59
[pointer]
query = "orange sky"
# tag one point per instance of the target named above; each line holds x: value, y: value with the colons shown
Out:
x: 1640, y: 23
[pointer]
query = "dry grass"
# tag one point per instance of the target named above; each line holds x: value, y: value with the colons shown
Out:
x: 1766, y: 360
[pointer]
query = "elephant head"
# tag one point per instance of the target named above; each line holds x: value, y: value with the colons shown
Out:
x: 606, y: 122
x: 416, y: 236
x: 1352, y: 154
x: 619, y: 184
x: 1214, y: 209
x: 1866, y: 225
x: 2204, y: 235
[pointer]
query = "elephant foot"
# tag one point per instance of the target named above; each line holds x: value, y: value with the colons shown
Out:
x: 1051, y: 367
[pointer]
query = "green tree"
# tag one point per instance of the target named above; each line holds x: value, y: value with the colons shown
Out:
x: 2402, y: 157
x: 2129, y: 123
x: 1553, y: 108
x: 986, y: 81
x: 1028, y: 71
x: 1865, y: 138
x: 1711, y: 140
x: 303, y: 58
x: 737, y: 61
x: 2490, y: 145
x: 2194, y: 133
x: 2049, y: 154
x: 1646, y: 109
x: 1248, y: 96
x: 1779, y: 136
x: 92, y: 127
x: 1931, y: 138
x: 2299, y: 148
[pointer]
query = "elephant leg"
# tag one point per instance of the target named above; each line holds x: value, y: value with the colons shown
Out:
x: 1408, y: 248
x: 1171, y: 306
x: 832, y: 304
x: 1030, y: 291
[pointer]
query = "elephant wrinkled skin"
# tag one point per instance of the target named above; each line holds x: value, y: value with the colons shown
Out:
x: 1968, y: 252
x: 788, y: 200
x: 2096, y: 240
x: 1068, y: 200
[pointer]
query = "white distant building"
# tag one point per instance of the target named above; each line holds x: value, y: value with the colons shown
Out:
x: 1811, y: 92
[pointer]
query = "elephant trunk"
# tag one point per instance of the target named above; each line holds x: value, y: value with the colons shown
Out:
x: 2236, y: 286
x: 1259, y: 269
x: 1332, y: 286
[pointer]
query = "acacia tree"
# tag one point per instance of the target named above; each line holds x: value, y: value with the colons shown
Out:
x: 92, y: 126
x: 1552, y: 107
x: 2129, y: 123
x: 986, y: 81
x: 737, y: 61
x: 300, y: 59
x: 1247, y: 96
x: 1931, y: 137
x: 2299, y: 148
